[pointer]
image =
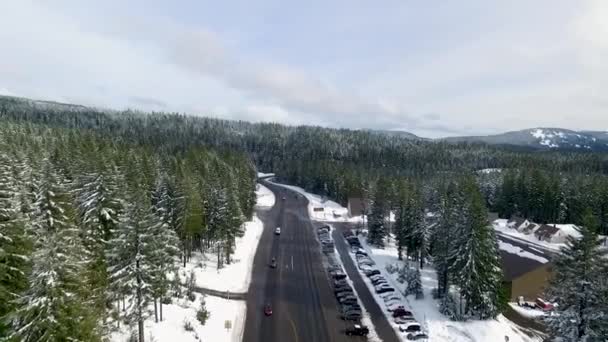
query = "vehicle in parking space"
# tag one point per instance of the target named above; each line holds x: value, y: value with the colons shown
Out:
x: 392, y: 301
x: 391, y: 297
x: 361, y: 252
x: 347, y: 297
x: 404, y: 319
x: 371, y: 272
x: 277, y: 231
x: 357, y: 330
x: 401, y: 313
x: 379, y: 281
x: 352, y: 315
x: 410, y: 327
x: 395, y: 306
x: 417, y: 336
x: 344, y: 294
x: 340, y: 282
x: 383, y: 288
x: 267, y: 310
x: 284, y: 198
x: 350, y: 307
x: 348, y: 300
x: 366, y: 262
x: 273, y: 263
x: 338, y: 275
x: 348, y: 233
x: 374, y: 277
x: 386, y: 295
x: 343, y: 289
x: 364, y: 268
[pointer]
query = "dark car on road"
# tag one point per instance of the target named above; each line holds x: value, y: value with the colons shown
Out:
x: 267, y: 310
x: 357, y: 330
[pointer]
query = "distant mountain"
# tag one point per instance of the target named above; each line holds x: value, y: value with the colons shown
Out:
x: 402, y: 134
x: 544, y: 139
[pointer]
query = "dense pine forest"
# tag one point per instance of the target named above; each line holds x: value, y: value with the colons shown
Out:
x: 91, y: 226
x: 100, y: 204
x: 553, y: 186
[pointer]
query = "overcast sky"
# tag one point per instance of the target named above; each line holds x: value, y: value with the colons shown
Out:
x: 434, y: 68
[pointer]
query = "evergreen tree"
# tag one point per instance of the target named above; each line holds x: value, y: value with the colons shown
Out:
x: 578, y: 286
x: 377, y: 225
x: 15, y: 244
x: 54, y: 307
x: 131, y: 255
x: 476, y: 264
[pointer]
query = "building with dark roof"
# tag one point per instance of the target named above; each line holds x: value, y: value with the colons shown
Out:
x: 524, y: 276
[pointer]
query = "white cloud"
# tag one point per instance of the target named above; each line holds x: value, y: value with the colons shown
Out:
x: 538, y: 68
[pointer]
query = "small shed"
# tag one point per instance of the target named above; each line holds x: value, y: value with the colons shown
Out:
x: 357, y: 206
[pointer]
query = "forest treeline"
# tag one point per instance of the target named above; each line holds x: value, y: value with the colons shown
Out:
x: 93, y: 227
x: 339, y: 163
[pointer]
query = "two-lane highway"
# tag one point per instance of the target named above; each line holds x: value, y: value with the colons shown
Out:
x: 304, y: 308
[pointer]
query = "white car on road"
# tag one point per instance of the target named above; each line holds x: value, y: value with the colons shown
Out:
x: 277, y: 231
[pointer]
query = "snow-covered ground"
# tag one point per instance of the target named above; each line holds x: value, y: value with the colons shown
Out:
x: 265, y: 175
x: 527, y: 312
x: 265, y: 197
x: 234, y: 278
x: 426, y: 311
x: 176, y: 315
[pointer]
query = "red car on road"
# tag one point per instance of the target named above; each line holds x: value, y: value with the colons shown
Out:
x: 267, y: 310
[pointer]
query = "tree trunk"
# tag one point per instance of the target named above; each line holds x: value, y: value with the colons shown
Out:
x: 155, y: 311
x: 140, y: 315
x: 161, y: 308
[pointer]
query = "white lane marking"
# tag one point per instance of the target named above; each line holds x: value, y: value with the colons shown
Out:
x: 292, y: 262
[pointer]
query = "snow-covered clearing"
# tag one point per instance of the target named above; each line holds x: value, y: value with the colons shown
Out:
x: 426, y: 311
x: 265, y: 197
x: 175, y: 315
x: 234, y: 278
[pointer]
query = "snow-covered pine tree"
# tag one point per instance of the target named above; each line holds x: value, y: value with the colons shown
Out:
x: 400, y: 227
x: 476, y: 265
x: 54, y: 307
x: 131, y: 258
x: 377, y: 225
x: 578, y: 287
x: 15, y: 244
x: 418, y: 234
x: 452, y: 214
x: 98, y: 202
x: 165, y: 241
x: 234, y: 221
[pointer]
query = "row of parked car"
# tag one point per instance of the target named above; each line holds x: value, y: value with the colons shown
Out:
x: 392, y: 300
x: 348, y: 303
x: 327, y: 244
